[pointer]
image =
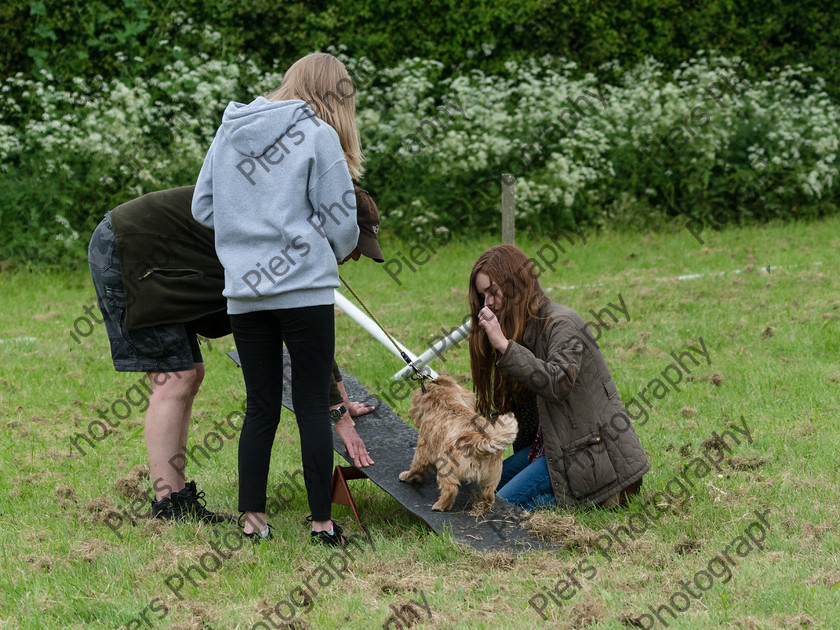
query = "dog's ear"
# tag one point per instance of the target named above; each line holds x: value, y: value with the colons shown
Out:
x: 417, y: 404
x: 415, y: 413
x: 445, y: 381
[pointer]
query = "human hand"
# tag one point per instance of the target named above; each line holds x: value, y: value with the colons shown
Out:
x: 490, y: 324
x: 353, y: 443
x: 357, y: 409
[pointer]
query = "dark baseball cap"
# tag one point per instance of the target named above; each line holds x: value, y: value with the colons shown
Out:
x: 367, y: 216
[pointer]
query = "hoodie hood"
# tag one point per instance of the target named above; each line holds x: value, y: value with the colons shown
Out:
x: 253, y: 128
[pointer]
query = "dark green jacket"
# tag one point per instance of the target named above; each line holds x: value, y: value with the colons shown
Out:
x: 169, y: 265
x: 591, y: 449
x: 170, y: 269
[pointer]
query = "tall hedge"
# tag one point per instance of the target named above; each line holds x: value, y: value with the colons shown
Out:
x: 101, y: 102
x: 75, y: 38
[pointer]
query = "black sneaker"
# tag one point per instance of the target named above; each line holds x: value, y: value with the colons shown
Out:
x: 331, y: 540
x: 190, y: 502
x: 165, y: 510
x: 255, y: 537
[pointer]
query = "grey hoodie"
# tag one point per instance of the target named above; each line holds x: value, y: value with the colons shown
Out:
x: 276, y: 189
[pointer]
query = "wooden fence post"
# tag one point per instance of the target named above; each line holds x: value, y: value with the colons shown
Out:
x: 508, y: 208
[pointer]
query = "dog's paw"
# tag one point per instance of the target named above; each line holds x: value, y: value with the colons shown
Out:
x: 407, y: 477
x: 440, y: 507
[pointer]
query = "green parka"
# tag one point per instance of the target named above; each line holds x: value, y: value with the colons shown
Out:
x: 591, y: 449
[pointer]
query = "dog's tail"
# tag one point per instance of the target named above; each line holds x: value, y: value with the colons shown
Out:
x: 494, y: 438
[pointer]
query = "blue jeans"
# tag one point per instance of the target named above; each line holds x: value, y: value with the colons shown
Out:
x: 526, y: 485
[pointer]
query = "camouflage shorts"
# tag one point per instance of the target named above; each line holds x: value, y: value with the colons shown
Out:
x: 167, y: 348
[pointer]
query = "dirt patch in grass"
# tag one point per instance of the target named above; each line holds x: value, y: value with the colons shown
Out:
x: 153, y: 526
x: 96, y: 509
x: 829, y: 579
x: 587, y: 613
x: 200, y: 618
x: 748, y: 623
x: 66, y: 496
x: 629, y: 620
x: 716, y: 379
x: 687, y: 546
x: 562, y: 529
x: 90, y: 550
x: 798, y: 621
x: 737, y: 462
x: 493, y: 561
x: 43, y: 563
x: 641, y: 344
x: 133, y: 484
x: 380, y: 577
x: 807, y: 429
x: 787, y: 622
x: 715, y: 442
x: 65, y: 492
x: 390, y: 588
x: 818, y: 530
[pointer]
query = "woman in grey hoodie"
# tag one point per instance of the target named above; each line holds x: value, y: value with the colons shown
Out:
x: 276, y: 187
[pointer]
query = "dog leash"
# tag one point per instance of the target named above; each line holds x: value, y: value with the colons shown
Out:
x: 418, y: 375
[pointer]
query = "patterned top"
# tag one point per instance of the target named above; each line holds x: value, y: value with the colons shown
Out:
x: 528, y: 419
x: 538, y: 449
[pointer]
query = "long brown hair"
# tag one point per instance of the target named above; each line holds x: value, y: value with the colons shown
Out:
x: 323, y: 82
x: 522, y: 298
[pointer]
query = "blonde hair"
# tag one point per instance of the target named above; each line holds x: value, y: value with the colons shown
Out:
x: 323, y: 82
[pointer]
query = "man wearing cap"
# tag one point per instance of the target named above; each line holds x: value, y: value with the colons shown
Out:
x: 159, y: 284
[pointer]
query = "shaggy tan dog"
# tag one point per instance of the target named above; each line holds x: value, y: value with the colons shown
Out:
x: 457, y: 442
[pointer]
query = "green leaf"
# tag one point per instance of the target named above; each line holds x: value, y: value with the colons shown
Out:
x: 37, y: 8
x: 45, y: 31
x: 39, y: 56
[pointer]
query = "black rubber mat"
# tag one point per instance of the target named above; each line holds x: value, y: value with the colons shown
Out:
x: 390, y: 442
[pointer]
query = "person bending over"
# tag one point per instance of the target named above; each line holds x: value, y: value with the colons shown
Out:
x: 159, y: 284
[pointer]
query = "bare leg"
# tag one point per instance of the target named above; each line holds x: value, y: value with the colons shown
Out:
x: 166, y: 432
x: 187, y: 415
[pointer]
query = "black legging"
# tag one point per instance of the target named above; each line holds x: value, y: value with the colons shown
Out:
x: 309, y: 334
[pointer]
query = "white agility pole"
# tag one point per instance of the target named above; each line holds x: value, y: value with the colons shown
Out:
x: 361, y: 318
x: 452, y: 339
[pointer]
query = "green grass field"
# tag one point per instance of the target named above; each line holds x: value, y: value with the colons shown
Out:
x: 773, y: 347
